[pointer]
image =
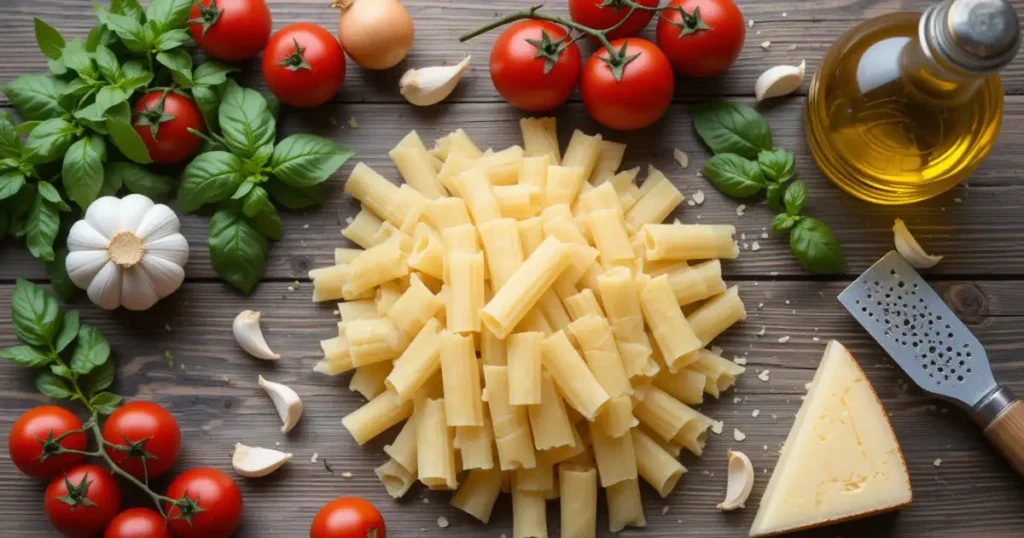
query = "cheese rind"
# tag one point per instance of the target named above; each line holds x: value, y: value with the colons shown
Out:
x: 841, y: 460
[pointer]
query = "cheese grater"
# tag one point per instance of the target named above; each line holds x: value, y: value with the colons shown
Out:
x: 916, y: 328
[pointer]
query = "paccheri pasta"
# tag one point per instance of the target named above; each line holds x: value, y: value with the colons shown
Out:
x: 534, y: 324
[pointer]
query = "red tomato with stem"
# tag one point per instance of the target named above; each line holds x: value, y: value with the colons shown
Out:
x: 304, y: 65
x: 639, y: 96
x: 35, y: 433
x: 348, y: 517
x: 595, y: 14
x: 230, y: 30
x: 706, y: 40
x: 138, y: 523
x: 163, y: 119
x: 213, y: 504
x: 146, y: 433
x: 82, y: 502
x: 533, y: 67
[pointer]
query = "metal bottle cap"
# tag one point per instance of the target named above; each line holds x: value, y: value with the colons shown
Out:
x: 977, y: 36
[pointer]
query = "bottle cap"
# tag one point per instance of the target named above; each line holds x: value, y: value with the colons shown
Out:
x: 977, y: 36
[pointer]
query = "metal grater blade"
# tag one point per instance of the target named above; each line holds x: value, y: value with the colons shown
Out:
x: 916, y: 328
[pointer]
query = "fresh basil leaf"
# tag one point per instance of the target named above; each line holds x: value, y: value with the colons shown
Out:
x: 106, y: 60
x: 100, y: 35
x: 734, y: 175
x: 77, y: 58
x: 26, y: 127
x: 255, y: 164
x: 816, y: 247
x: 179, y: 62
x: 49, y: 192
x: 171, y: 39
x: 169, y: 14
x: 120, y: 112
x: 60, y: 370
x: 57, y: 67
x: 49, y: 40
x: 134, y: 68
x: 129, y: 31
x: 108, y: 96
x: 731, y: 128
x: 10, y: 183
x: 105, y: 403
x: 783, y: 222
x: 83, y: 170
x: 36, y: 96
x: 41, y: 228
x: 48, y: 141
x: 796, y: 197
x: 774, y: 198
x: 302, y: 160
x: 52, y: 386
x: 238, y: 251
x: 130, y: 84
x: 10, y: 142
x: 212, y: 73
x: 245, y: 121
x: 129, y: 8
x: 57, y: 270
x: 124, y: 136
x: 262, y: 214
x: 68, y: 330
x: 92, y: 117
x: 35, y: 313
x: 243, y: 190
x: 208, y: 101
x: 92, y: 350
x: 777, y: 165
x: 294, y: 198
x: 256, y: 202
x: 111, y: 183
x: 210, y: 177
x: 100, y: 378
x: 26, y: 356
x: 139, y: 180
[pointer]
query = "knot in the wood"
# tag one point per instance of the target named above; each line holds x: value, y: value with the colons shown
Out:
x: 967, y: 301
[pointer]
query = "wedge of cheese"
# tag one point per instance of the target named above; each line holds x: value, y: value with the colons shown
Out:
x: 841, y: 460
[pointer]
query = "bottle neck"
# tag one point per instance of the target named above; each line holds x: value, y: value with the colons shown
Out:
x: 933, y: 80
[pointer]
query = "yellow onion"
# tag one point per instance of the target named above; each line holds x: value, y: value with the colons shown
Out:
x: 376, y: 34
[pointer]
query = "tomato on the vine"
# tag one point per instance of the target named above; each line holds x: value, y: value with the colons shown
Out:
x: 163, y: 119
x: 213, y: 504
x: 706, y: 40
x: 348, y: 517
x: 533, y: 66
x: 35, y: 432
x: 303, y: 65
x: 83, y: 501
x: 603, y: 14
x: 230, y: 30
x: 639, y: 96
x: 147, y: 432
x: 138, y: 523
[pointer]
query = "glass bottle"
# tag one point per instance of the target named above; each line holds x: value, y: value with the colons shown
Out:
x: 906, y: 105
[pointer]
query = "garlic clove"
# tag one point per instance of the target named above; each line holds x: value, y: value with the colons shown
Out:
x: 165, y: 275
x: 256, y: 462
x: 134, y: 208
x: 249, y: 336
x: 741, y: 481
x: 83, y: 236
x: 172, y: 248
x: 910, y: 249
x: 83, y: 265
x: 99, y: 213
x: 159, y: 222
x: 778, y: 81
x: 431, y: 85
x: 105, y: 288
x: 286, y: 401
x: 137, y: 291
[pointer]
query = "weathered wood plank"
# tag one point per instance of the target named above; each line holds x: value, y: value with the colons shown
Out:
x: 212, y: 391
x: 979, y: 236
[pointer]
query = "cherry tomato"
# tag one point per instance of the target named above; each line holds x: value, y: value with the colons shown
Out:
x: 138, y: 523
x: 519, y: 73
x: 163, y: 123
x: 150, y: 432
x: 28, y: 436
x: 218, y: 501
x: 303, y: 65
x: 713, y: 43
x: 230, y: 30
x: 81, y: 503
x: 348, y: 517
x: 594, y: 14
x: 639, y: 97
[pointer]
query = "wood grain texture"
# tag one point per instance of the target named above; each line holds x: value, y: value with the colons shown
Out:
x: 1007, y: 434
x: 212, y: 391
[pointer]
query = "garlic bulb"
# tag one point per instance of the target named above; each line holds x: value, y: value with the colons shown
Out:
x: 127, y: 252
x: 431, y: 85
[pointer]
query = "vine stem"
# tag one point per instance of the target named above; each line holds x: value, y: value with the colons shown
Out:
x: 158, y: 499
x: 533, y: 13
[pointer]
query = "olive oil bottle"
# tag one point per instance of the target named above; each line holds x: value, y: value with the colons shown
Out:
x: 906, y: 105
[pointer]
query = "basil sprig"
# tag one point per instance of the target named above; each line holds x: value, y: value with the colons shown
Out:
x: 745, y: 163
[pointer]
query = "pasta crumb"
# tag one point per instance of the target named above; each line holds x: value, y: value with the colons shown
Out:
x: 783, y: 339
x: 698, y: 197
x: 937, y: 462
x: 763, y: 376
x: 681, y: 157
x: 765, y: 44
x: 442, y: 522
x: 755, y: 413
x: 717, y: 426
x: 740, y: 209
x: 738, y: 435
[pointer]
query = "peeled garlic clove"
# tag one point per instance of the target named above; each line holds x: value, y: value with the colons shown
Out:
x: 256, y: 462
x: 286, y: 401
x: 741, y: 481
x: 910, y: 249
x: 430, y: 85
x: 778, y: 81
x: 249, y: 336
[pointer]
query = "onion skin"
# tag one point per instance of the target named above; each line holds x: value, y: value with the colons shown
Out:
x: 376, y: 34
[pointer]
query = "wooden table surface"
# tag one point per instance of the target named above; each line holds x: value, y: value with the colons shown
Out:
x: 212, y: 388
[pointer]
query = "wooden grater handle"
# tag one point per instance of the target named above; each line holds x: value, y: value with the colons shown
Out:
x: 1006, y: 433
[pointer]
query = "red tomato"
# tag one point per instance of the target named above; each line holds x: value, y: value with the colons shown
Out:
x: 81, y: 503
x: 702, y: 52
x: 230, y: 30
x: 151, y: 433
x: 640, y: 97
x: 348, y: 517
x: 218, y: 501
x: 304, y: 65
x: 163, y: 123
x: 26, y: 442
x: 518, y: 72
x: 138, y: 523
x: 594, y: 14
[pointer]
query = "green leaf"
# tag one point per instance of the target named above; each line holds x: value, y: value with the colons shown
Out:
x: 140, y: 180
x: 816, y: 247
x: 734, y: 175
x: 259, y: 159
x: 130, y: 84
x: 120, y: 112
x: 208, y: 101
x: 109, y: 97
x: 77, y: 58
x: 774, y: 198
x: 26, y: 356
x: 26, y: 127
x: 124, y: 136
x: 796, y: 197
x: 302, y: 160
x: 92, y: 350
x: 35, y: 313
x: 49, y: 192
x: 169, y: 14
x: 41, y: 228
x: 129, y: 8
x: 243, y: 190
x: 57, y: 67
x: 101, y: 378
x: 238, y: 251
x: 10, y: 183
x: 731, y: 128
x: 10, y: 142
x: 294, y: 198
x: 179, y: 62
x: 57, y: 270
x: 212, y: 73
x: 60, y: 370
x: 105, y: 403
x: 107, y: 62
x: 245, y: 121
x: 783, y: 222
x: 49, y: 40
x: 262, y: 213
x: 100, y: 35
x: 68, y: 330
x: 36, y: 96
x: 50, y: 140
x: 171, y: 39
x: 777, y: 165
x: 210, y: 177
x: 83, y: 170
x: 52, y: 386
x: 130, y: 31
